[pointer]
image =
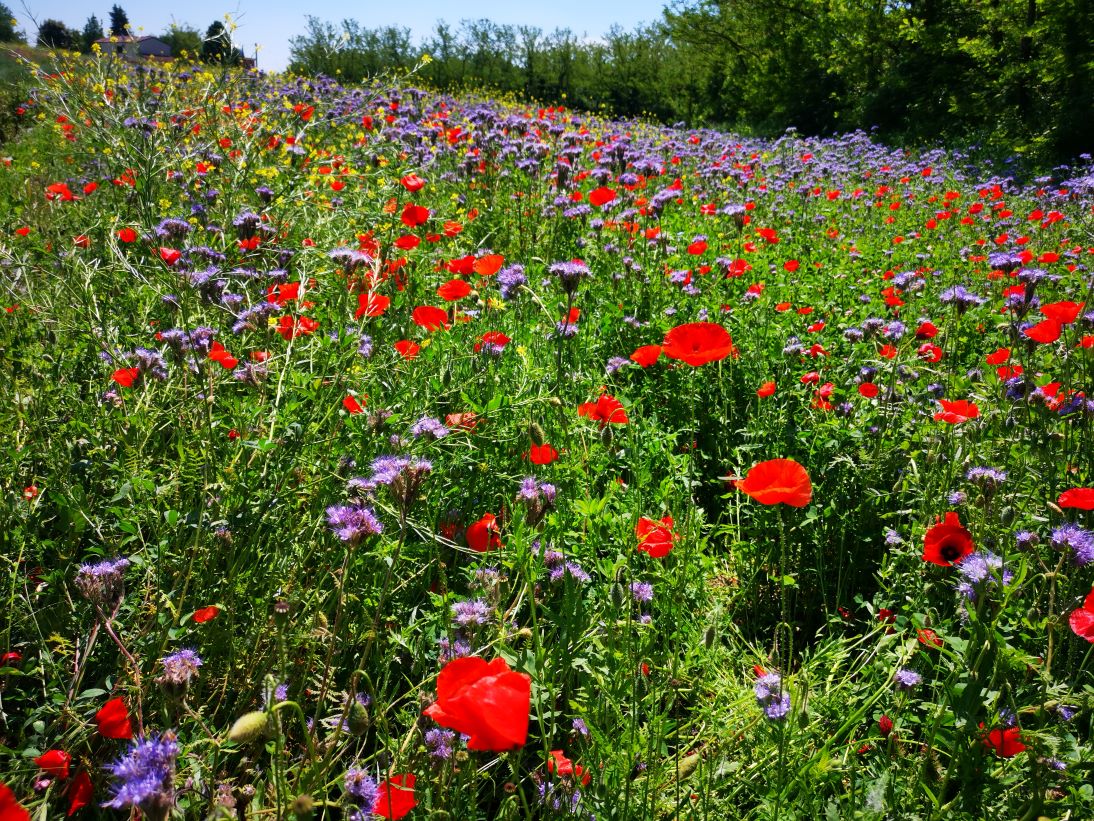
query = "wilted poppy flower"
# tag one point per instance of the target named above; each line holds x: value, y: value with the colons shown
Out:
x: 79, y: 793
x: 646, y: 355
x: 10, y: 808
x: 542, y: 454
x: 778, y: 481
x: 1081, y: 498
x: 698, y: 343
x: 484, y: 535
x: 55, y: 763
x: 606, y: 409
x: 655, y: 538
x: 483, y: 700
x: 205, y: 614
x: 1005, y: 743
x: 1082, y: 619
x: 113, y: 720
x: 453, y: 290
x: 947, y: 542
x: 371, y: 304
x: 395, y: 797
x: 430, y: 317
x: 956, y: 412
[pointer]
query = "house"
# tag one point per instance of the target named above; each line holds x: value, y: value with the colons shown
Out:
x: 134, y: 47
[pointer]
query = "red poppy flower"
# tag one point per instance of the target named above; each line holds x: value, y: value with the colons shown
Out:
x: 170, y: 255
x: 928, y: 637
x: 10, y: 808
x: 646, y: 355
x: 414, y: 215
x: 54, y: 762
x: 791, y: 265
x: 1082, y: 619
x: 697, y: 248
x: 765, y: 390
x: 79, y: 792
x: 10, y: 658
x: 463, y: 421
x: 126, y: 377
x: 484, y: 535
x: 407, y: 242
x: 495, y: 339
x: 1077, y: 497
x: 484, y: 700
x: 601, y: 196
x: 371, y: 304
x: 956, y: 412
x: 698, y: 343
x: 605, y: 410
x: 430, y: 317
x: 395, y: 797
x: 113, y: 720
x: 559, y: 763
x: 929, y: 353
x: 59, y: 190
x: 1045, y: 332
x: 998, y: 356
x: 454, y: 290
x: 542, y: 454
x: 947, y: 542
x: 412, y: 183
x: 655, y: 538
x: 778, y: 481
x: 488, y: 265
x: 127, y: 235
x: 926, y: 330
x: 868, y: 390
x: 407, y: 349
x: 1005, y: 743
x: 1063, y: 312
x: 351, y: 404
x: 888, y: 351
x: 290, y: 328
x: 218, y: 353
x: 204, y: 614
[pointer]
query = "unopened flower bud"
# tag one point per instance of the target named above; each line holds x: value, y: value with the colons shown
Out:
x: 249, y: 727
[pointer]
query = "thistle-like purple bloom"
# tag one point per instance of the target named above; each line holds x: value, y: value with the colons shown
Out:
x: 351, y: 523
x: 772, y: 698
x: 146, y: 777
x: 906, y: 679
x: 1080, y: 542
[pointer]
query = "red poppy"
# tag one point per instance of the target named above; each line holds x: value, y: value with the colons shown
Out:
x: 126, y: 377
x: 407, y: 242
x: 495, y: 339
x: 484, y: 700
x: 998, y: 356
x: 928, y: 637
x: 10, y: 808
x: 79, y: 792
x: 113, y: 720
x: 1082, y: 619
x: 204, y: 614
x: 59, y: 190
x: 488, y: 265
x: 484, y: 535
x: 351, y: 404
x: 542, y: 454
x: 698, y: 343
x: 956, y: 412
x: 791, y: 265
x: 655, y: 538
x: 54, y: 762
x: 170, y: 255
x: 947, y: 542
x: 395, y: 797
x: 371, y: 304
x: 1045, y: 332
x: 606, y: 409
x: 646, y: 355
x: 414, y: 215
x: 10, y: 658
x: 430, y: 317
x: 778, y: 481
x: 1063, y: 312
x: 412, y: 183
x: 601, y: 196
x: 290, y: 328
x: 926, y: 330
x: 697, y: 248
x: 868, y: 390
x: 218, y: 353
x: 929, y: 353
x: 1005, y: 743
x: 1077, y: 497
x: 559, y: 763
x: 454, y: 290
x: 765, y: 390
x: 407, y: 349
x: 463, y: 421
x: 127, y: 235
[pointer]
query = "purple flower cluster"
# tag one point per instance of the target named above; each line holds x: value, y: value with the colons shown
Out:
x: 353, y: 522
x: 773, y: 699
x: 146, y: 777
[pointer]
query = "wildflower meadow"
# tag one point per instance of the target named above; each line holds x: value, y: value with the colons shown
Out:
x: 370, y: 452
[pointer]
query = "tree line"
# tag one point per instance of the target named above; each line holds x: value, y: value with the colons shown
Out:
x: 1016, y: 76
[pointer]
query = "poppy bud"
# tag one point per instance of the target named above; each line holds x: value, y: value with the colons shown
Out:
x: 357, y: 722
x: 555, y: 402
x: 536, y: 434
x: 709, y: 635
x: 249, y: 727
x: 1006, y: 515
x: 619, y: 595
x: 606, y: 436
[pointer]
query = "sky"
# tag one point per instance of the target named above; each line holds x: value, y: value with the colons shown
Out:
x: 270, y: 23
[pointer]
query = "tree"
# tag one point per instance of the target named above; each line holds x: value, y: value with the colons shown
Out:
x: 55, y: 34
x: 183, y: 38
x: 119, y: 22
x: 8, y: 34
x: 217, y: 46
x: 93, y: 30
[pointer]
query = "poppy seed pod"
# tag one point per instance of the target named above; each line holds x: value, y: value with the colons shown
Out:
x: 249, y: 727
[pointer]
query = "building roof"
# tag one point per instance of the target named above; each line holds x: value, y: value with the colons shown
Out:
x: 128, y: 38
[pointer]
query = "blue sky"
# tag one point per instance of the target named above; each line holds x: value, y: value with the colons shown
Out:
x: 270, y: 23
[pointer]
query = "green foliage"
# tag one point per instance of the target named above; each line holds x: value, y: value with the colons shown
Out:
x: 93, y: 30
x: 8, y: 33
x: 119, y: 21
x: 55, y: 34
x: 183, y: 39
